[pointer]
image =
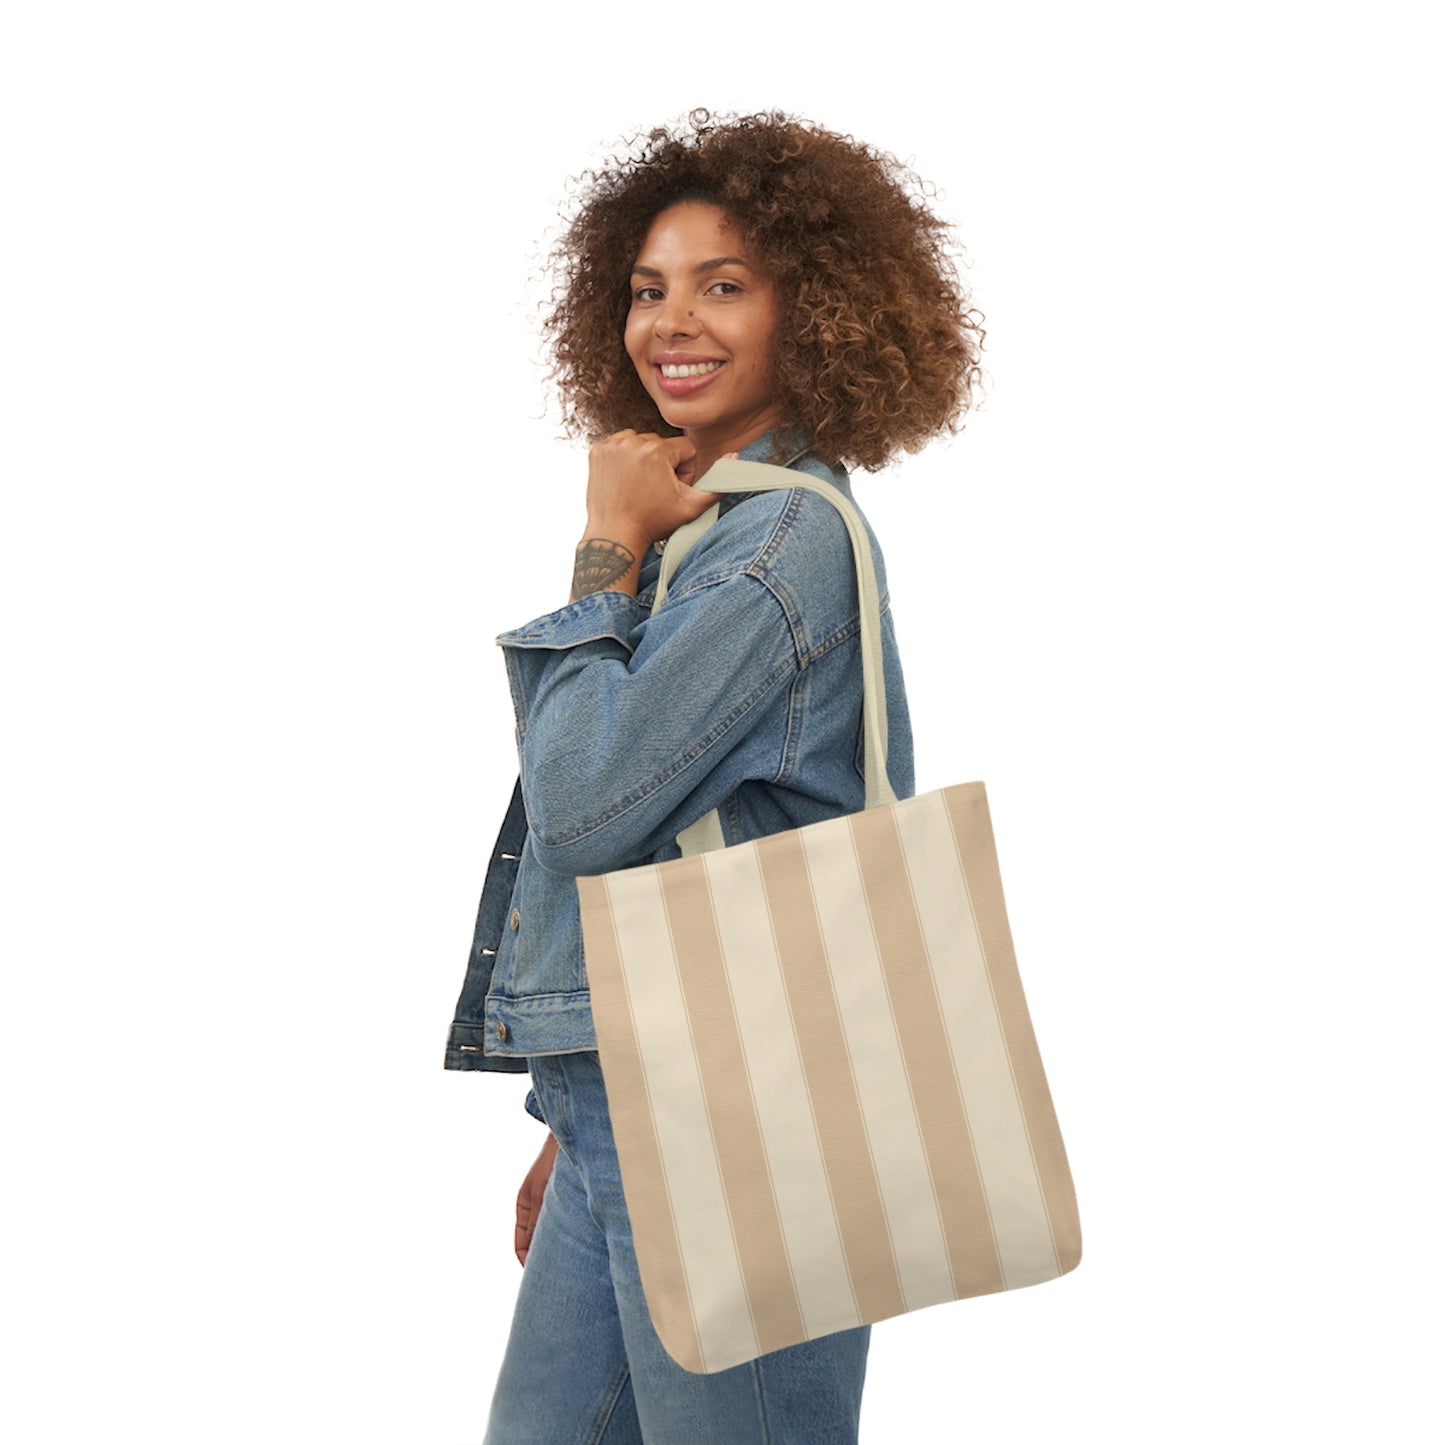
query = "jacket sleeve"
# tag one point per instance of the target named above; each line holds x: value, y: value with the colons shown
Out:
x: 631, y: 726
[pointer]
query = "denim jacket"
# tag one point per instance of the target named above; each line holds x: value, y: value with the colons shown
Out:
x: 743, y: 693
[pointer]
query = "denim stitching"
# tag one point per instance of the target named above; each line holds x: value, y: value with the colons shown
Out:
x: 756, y: 1367
x: 603, y: 623
x: 547, y: 641
x: 770, y: 548
x: 849, y: 629
x: 601, y: 1422
x: 793, y: 737
x: 514, y: 681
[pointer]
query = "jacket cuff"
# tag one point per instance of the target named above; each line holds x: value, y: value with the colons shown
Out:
x: 600, y: 614
x: 531, y: 1105
x: 601, y: 623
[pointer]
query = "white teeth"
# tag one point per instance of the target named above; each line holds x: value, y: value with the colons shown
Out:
x: 701, y: 368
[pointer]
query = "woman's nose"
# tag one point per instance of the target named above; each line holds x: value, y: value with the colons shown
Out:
x: 675, y: 318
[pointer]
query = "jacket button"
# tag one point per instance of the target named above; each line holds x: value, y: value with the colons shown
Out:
x: 516, y: 919
x: 502, y: 1032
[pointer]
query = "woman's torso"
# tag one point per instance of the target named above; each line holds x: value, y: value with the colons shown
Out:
x: 742, y: 693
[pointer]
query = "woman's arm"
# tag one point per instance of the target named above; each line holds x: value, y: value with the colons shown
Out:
x: 629, y: 724
x: 622, y: 716
x: 633, y: 724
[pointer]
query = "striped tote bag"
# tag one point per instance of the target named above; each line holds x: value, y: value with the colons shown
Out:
x: 824, y: 1086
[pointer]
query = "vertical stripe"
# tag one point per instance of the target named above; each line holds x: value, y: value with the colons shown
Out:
x: 929, y: 1059
x: 649, y: 1207
x: 985, y: 1072
x: 780, y: 1093
x: 877, y: 1052
x: 723, y: 1073
x: 967, y: 808
x: 828, y: 1069
x: 684, y: 1134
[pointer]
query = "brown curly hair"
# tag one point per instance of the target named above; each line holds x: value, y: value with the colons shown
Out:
x: 877, y: 348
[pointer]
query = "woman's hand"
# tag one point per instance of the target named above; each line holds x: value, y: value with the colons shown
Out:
x: 529, y: 1196
x: 639, y: 490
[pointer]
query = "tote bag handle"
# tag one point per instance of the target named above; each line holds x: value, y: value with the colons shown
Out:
x: 738, y: 476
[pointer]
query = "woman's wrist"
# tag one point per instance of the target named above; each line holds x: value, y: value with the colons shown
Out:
x: 608, y: 558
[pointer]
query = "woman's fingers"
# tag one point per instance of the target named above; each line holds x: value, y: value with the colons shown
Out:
x: 529, y: 1205
x: 681, y: 455
x: 639, y: 487
x: 529, y: 1198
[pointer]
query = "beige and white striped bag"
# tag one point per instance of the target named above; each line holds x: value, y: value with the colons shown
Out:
x: 824, y: 1086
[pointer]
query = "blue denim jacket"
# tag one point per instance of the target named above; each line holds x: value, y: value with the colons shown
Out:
x: 743, y: 693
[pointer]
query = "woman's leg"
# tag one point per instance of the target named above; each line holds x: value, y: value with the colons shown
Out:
x: 565, y: 1377
x: 807, y: 1394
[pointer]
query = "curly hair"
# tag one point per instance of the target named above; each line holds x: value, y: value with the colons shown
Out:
x: 877, y: 348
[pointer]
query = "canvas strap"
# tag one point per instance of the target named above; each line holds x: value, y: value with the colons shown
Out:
x: 737, y: 476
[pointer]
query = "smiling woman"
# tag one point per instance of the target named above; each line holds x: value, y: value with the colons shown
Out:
x: 877, y: 347
x: 756, y: 287
x: 700, y: 330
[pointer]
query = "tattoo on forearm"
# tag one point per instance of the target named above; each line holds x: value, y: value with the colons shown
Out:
x: 599, y: 564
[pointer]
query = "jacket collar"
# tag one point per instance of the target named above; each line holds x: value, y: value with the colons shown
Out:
x: 790, y: 449
x: 790, y: 446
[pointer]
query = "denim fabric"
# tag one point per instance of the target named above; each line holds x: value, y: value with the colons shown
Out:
x: 583, y: 1364
x: 743, y: 693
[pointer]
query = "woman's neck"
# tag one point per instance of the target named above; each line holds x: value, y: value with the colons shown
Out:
x: 712, y: 447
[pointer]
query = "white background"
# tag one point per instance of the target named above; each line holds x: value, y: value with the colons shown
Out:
x: 277, y: 469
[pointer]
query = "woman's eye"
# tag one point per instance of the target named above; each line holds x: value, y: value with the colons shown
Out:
x: 725, y: 288
x: 647, y: 293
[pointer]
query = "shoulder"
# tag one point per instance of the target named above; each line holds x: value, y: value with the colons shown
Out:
x: 794, y: 543
x: 779, y: 532
x: 810, y: 543
x: 791, y: 539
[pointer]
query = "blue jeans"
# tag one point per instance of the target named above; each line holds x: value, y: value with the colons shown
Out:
x: 584, y: 1365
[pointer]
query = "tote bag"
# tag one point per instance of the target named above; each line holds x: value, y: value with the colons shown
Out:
x: 825, y: 1091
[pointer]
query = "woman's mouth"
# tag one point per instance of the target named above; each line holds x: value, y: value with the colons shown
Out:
x: 682, y: 379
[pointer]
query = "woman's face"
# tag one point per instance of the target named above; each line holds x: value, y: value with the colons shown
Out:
x: 700, y: 330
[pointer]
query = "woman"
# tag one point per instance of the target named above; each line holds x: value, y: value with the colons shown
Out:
x: 755, y: 287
